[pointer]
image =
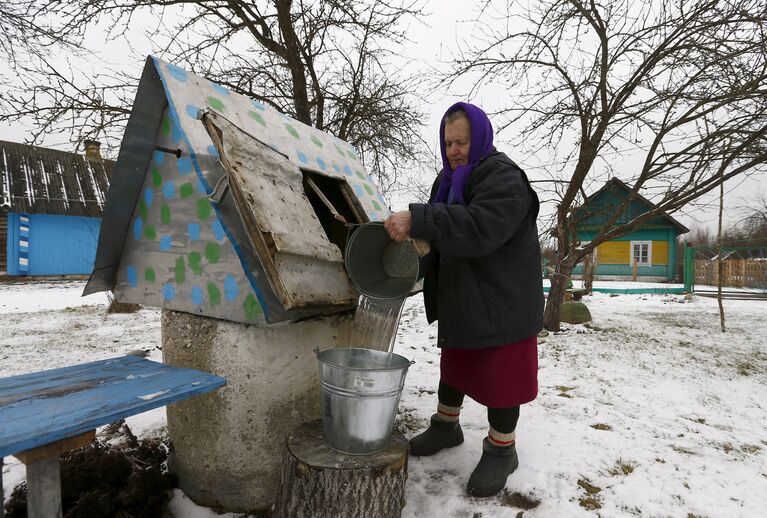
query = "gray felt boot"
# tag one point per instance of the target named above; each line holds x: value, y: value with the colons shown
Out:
x: 495, y: 466
x: 438, y: 436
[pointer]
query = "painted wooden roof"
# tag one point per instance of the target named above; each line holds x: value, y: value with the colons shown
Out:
x: 37, y: 180
x: 600, y: 205
x: 183, y: 228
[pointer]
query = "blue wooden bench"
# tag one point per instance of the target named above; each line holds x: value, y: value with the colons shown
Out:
x: 44, y: 414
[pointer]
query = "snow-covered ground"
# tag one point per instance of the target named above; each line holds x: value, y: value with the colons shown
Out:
x: 648, y: 411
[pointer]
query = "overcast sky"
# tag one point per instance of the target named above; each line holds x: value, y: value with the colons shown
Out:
x: 432, y: 42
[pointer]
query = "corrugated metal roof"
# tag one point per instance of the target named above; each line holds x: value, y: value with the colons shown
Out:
x: 47, y: 181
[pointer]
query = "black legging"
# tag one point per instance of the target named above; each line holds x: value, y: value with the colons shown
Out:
x: 503, y: 420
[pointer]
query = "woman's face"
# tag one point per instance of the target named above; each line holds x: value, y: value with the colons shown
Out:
x: 457, y: 142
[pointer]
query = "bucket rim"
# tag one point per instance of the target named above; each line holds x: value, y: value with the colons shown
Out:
x: 407, y: 364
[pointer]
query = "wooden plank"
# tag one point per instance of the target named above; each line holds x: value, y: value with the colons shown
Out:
x: 44, y: 407
x: 55, y: 449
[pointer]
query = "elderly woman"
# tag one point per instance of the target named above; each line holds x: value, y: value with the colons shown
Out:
x: 483, y: 285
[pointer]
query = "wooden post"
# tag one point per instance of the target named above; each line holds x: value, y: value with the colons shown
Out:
x: 634, y: 270
x: 44, y: 488
x: 317, y: 482
x: 2, y: 494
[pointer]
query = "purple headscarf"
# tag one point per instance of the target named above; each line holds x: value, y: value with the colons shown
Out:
x: 481, y: 146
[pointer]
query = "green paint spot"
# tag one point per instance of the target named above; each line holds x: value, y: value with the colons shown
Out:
x: 252, y: 307
x: 186, y: 190
x: 156, y: 177
x: 257, y: 117
x: 214, y: 294
x: 361, y: 176
x: 368, y: 189
x: 194, y: 262
x: 376, y: 206
x: 340, y: 151
x: 212, y: 252
x: 150, y: 232
x: 216, y: 104
x: 203, y: 208
x: 165, y: 214
x: 292, y: 130
x: 166, y: 126
x: 317, y: 142
x: 180, y: 270
x: 149, y: 275
x: 351, y: 154
x: 142, y: 209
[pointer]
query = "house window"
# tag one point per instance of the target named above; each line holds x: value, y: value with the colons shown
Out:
x: 641, y: 253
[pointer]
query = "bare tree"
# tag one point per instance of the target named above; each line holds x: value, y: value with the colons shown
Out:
x: 323, y: 62
x: 681, y: 84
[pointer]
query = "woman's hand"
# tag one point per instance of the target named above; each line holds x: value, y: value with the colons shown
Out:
x: 398, y: 225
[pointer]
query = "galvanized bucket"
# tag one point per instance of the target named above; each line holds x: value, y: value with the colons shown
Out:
x: 360, y: 393
x: 378, y: 266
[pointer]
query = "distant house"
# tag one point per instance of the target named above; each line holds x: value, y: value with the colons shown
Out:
x: 50, y: 208
x: 652, y: 246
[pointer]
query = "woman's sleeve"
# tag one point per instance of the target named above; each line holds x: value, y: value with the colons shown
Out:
x: 500, y: 202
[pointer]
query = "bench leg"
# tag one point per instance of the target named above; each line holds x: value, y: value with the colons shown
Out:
x: 44, y: 488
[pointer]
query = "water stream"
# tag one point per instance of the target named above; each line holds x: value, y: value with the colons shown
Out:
x: 376, y: 322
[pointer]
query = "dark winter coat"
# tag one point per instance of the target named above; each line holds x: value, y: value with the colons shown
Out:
x: 483, y: 280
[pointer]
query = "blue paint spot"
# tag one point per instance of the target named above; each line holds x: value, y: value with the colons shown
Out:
x: 348, y: 170
x: 220, y: 89
x: 230, y: 287
x: 179, y: 74
x: 218, y: 230
x: 338, y: 169
x: 192, y: 110
x: 166, y: 242
x: 175, y: 131
x: 302, y: 156
x: 258, y: 105
x: 358, y: 189
x: 213, y: 151
x: 158, y: 157
x: 132, y: 277
x: 196, y: 295
x: 321, y: 163
x: 382, y: 199
x: 169, y: 291
x: 138, y: 228
x: 193, y: 231
x: 184, y: 166
x: 374, y: 216
x: 201, y: 187
x: 148, y: 196
x: 275, y: 148
x: 168, y: 190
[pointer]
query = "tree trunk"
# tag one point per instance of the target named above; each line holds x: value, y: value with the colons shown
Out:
x: 317, y: 482
x: 556, y: 296
x: 719, y: 259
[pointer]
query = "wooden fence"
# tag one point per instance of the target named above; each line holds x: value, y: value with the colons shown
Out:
x: 736, y: 273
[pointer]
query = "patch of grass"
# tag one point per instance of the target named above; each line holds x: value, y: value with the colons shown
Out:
x: 750, y: 449
x: 602, y: 426
x: 588, y: 486
x: 682, y: 449
x: 622, y: 467
x: 563, y: 391
x: 745, y: 368
x: 727, y: 447
x: 659, y: 460
x: 590, y: 503
x: 519, y: 500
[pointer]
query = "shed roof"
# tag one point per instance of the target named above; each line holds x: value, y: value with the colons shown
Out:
x: 38, y: 180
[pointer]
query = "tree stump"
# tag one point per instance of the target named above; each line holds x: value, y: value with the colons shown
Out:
x: 318, y: 482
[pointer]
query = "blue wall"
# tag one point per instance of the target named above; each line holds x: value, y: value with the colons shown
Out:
x: 58, y: 245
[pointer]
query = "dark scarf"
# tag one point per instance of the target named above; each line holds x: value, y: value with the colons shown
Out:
x: 481, y: 146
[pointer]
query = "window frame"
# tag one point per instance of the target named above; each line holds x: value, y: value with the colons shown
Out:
x: 649, y: 253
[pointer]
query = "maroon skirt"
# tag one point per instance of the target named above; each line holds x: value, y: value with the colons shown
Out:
x: 497, y: 377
